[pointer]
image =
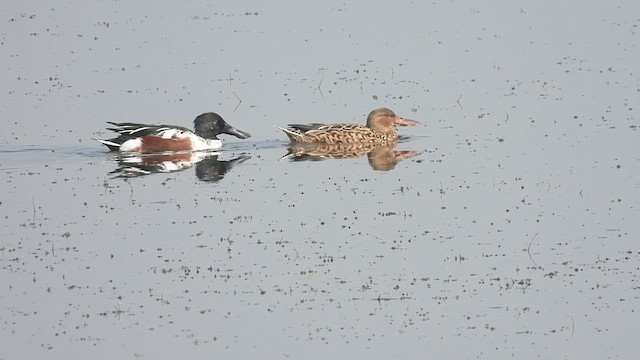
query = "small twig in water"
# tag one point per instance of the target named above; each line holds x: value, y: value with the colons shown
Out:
x: 458, y: 101
x: 529, y: 249
x: 239, y: 101
x: 320, y: 83
x: 130, y: 192
x: 573, y: 326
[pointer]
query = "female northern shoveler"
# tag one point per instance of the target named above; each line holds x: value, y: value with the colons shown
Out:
x: 145, y: 138
x: 380, y: 129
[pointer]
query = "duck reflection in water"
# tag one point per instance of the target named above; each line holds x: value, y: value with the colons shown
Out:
x: 382, y: 157
x: 208, y: 166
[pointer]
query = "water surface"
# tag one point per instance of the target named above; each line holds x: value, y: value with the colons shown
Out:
x: 511, y: 233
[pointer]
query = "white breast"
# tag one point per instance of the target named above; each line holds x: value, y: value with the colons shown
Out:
x: 198, y: 143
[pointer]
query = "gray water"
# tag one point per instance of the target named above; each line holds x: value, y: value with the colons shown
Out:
x: 512, y: 233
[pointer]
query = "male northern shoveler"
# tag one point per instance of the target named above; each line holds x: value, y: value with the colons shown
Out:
x: 144, y: 138
x: 380, y: 129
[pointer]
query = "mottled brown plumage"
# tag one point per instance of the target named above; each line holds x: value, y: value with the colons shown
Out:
x: 380, y: 130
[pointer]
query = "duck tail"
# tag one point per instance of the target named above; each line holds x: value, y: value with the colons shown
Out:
x: 110, y: 144
x: 293, y: 135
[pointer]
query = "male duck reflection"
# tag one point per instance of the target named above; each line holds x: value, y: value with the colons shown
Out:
x: 144, y: 138
x: 380, y: 129
x: 208, y: 166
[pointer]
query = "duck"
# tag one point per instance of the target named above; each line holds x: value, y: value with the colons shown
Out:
x: 380, y: 129
x: 146, y: 138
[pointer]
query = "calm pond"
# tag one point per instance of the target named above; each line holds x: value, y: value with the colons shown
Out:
x: 505, y: 226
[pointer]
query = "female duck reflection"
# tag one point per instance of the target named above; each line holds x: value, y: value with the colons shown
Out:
x: 381, y: 158
x: 333, y: 141
x: 208, y: 166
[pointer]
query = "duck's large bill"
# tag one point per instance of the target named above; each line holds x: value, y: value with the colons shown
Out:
x: 405, y: 122
x: 236, y: 132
